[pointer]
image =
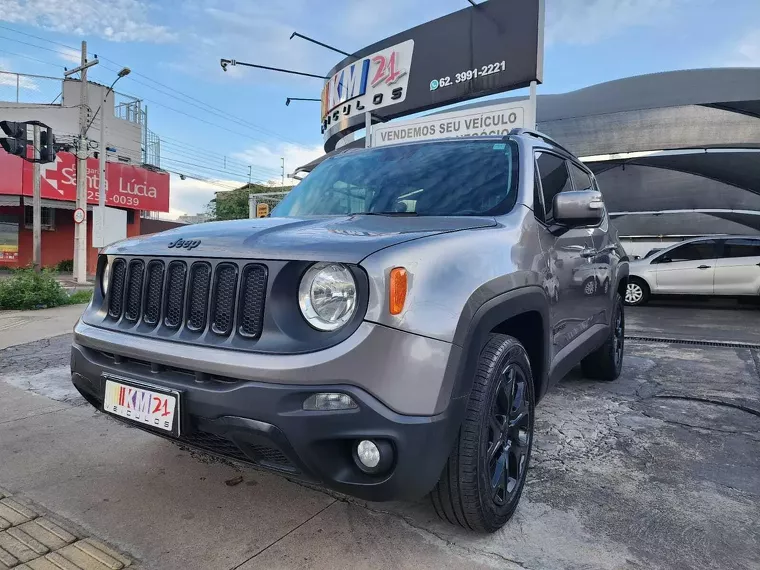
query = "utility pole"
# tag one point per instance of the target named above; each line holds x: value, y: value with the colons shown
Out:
x: 36, y: 204
x: 282, y: 159
x: 249, y: 176
x: 80, y: 230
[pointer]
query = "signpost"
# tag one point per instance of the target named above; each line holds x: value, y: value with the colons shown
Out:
x: 262, y: 210
x: 493, y: 47
x: 492, y: 120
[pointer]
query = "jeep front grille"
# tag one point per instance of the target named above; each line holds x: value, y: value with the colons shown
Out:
x: 188, y: 297
x: 118, y: 276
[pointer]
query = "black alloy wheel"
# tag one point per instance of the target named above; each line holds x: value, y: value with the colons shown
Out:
x: 481, y: 483
x: 509, y: 435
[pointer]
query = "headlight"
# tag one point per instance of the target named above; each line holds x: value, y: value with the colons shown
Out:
x: 104, y: 278
x: 327, y: 296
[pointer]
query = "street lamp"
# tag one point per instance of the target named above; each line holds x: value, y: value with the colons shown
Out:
x: 98, y: 228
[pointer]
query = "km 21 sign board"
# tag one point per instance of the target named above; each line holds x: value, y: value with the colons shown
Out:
x: 481, y: 50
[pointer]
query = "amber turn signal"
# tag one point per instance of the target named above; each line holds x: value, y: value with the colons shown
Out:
x: 397, y: 290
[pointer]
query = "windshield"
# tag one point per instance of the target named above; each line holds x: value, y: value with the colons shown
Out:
x: 455, y: 178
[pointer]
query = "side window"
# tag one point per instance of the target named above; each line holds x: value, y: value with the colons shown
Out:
x: 690, y: 252
x: 554, y: 179
x: 581, y: 179
x: 742, y: 248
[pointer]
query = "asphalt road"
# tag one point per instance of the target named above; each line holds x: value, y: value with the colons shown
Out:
x: 660, y: 469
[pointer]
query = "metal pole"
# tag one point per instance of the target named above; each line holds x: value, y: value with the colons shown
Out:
x: 282, y: 158
x: 367, y: 129
x: 17, y: 86
x: 145, y: 134
x: 533, y: 106
x: 103, y: 182
x: 36, y: 205
x: 80, y: 230
x: 249, y: 175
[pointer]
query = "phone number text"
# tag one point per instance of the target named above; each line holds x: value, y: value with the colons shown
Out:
x: 488, y: 69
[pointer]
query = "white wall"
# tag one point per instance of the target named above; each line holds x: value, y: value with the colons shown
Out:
x: 125, y: 136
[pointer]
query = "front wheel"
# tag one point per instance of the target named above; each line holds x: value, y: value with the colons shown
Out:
x: 636, y: 292
x: 484, y: 476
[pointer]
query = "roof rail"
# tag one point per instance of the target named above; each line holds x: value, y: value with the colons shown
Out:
x: 539, y: 135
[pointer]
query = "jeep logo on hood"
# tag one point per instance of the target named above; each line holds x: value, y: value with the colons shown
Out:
x: 185, y: 243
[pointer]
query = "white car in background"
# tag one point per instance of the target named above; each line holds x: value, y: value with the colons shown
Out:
x: 725, y: 265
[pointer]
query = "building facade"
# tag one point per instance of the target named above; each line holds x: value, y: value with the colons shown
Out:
x: 132, y: 185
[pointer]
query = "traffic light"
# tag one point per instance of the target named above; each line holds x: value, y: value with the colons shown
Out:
x: 16, y: 141
x: 47, y: 145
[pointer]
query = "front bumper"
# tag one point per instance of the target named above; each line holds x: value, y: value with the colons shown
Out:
x: 263, y: 422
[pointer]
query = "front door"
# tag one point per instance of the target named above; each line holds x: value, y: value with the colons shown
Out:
x: 737, y: 271
x: 687, y: 269
x: 568, y: 253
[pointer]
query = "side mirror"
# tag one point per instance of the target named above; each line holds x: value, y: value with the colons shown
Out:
x: 578, y: 208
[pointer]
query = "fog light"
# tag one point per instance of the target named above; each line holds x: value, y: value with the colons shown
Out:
x: 368, y: 453
x: 327, y: 401
x: 373, y: 456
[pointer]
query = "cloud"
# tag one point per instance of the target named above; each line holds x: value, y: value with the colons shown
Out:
x: 584, y: 22
x: 117, y: 20
x: 747, y: 51
x: 265, y: 157
x: 191, y: 196
x: 9, y: 79
x: 70, y: 55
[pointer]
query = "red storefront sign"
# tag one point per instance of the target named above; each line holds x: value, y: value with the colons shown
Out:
x: 127, y: 186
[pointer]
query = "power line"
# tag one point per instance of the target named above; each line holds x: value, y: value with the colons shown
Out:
x: 34, y: 45
x: 37, y: 37
x: 216, y: 160
x: 203, y: 167
x: 214, y: 110
x: 204, y: 179
x: 193, y: 148
x: 201, y: 162
x: 216, y: 164
x: 30, y: 58
x: 211, y: 110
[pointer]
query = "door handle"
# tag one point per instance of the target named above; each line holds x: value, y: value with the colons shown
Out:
x: 588, y: 252
x: 703, y: 267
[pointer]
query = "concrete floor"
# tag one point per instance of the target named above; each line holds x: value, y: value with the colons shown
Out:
x: 660, y: 469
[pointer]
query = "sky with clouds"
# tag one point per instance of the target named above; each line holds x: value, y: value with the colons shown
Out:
x: 215, y: 124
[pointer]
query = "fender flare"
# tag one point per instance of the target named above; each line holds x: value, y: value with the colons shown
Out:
x: 472, y: 333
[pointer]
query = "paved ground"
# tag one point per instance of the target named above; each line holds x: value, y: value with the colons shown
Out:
x: 660, y: 469
x: 719, y: 320
x: 20, y: 327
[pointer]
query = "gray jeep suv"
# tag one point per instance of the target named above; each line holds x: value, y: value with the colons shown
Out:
x: 387, y: 332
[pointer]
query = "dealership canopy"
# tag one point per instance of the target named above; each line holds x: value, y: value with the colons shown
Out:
x: 676, y: 153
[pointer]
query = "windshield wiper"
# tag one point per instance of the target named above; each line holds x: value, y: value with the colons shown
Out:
x: 382, y: 214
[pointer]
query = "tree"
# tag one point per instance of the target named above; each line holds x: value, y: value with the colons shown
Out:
x: 233, y: 204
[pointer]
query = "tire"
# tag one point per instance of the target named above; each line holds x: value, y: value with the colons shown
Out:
x: 464, y: 494
x: 606, y: 287
x: 636, y: 292
x: 590, y: 286
x: 606, y: 362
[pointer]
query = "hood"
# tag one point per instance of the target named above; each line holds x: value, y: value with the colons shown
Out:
x: 343, y: 238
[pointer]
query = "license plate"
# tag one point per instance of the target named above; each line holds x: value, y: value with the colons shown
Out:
x: 146, y: 405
